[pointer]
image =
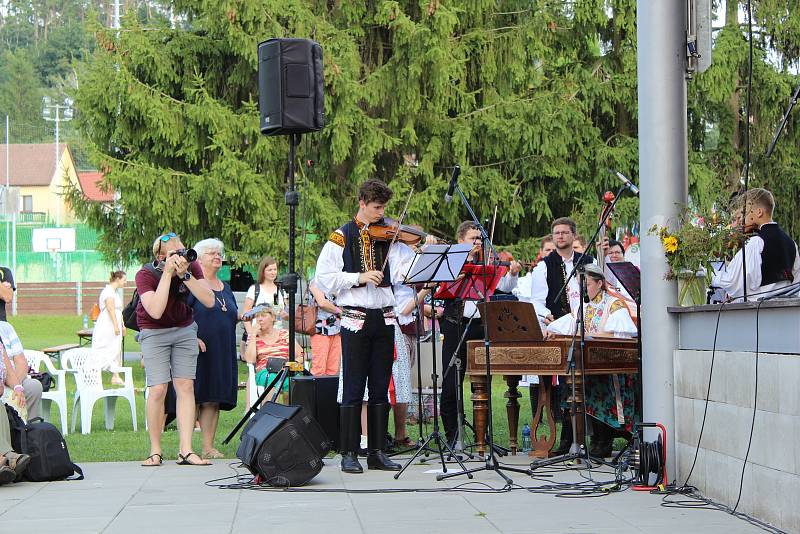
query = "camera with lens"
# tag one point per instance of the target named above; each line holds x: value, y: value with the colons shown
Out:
x: 189, y: 253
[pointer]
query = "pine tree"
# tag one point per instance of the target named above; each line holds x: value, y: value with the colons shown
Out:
x: 535, y: 101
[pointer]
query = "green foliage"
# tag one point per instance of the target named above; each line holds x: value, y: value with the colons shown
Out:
x: 534, y: 101
x: 533, y: 115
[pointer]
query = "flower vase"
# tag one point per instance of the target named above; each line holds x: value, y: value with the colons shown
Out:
x: 691, y: 290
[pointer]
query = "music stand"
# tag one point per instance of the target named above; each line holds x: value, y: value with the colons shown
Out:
x: 472, y: 286
x: 630, y: 278
x: 436, y: 263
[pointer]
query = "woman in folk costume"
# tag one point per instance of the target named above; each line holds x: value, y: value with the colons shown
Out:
x: 609, y: 399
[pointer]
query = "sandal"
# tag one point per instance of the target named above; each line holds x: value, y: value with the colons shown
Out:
x: 213, y: 454
x: 153, y: 461
x: 7, y: 475
x: 405, y: 442
x: 184, y: 459
x: 18, y: 462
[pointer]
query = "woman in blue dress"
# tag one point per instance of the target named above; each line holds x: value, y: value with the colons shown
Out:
x: 215, y: 384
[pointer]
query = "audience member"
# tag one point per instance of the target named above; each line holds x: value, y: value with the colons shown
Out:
x: 326, y: 343
x: 108, y: 328
x: 215, y: 384
x: 168, y: 338
x: 17, y: 371
x: 264, y: 291
x: 7, y: 289
x: 268, y: 348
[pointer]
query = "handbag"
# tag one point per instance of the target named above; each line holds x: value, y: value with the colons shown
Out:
x: 45, y: 378
x: 305, y: 319
x: 95, y: 313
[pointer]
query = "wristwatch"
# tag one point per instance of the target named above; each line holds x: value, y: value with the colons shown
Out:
x: 186, y: 276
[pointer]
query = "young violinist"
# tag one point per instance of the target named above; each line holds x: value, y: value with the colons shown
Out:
x: 459, y: 315
x: 770, y: 254
x: 351, y: 266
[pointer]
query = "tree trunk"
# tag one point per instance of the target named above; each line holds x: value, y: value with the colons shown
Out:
x: 734, y: 105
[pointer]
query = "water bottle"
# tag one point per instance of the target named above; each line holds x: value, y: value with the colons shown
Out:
x: 85, y: 322
x: 526, y: 438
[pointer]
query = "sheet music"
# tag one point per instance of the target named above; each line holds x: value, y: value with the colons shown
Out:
x: 437, y: 263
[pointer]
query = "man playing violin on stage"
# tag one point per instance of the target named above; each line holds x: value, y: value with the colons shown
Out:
x: 459, y: 315
x: 360, y: 271
x: 770, y: 254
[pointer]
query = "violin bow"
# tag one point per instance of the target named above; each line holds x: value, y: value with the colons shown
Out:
x: 494, y: 220
x: 399, y: 223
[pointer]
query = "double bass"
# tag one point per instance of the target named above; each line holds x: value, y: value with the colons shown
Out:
x: 606, y: 215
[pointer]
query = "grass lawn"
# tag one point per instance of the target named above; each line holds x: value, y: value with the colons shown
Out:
x: 41, y: 331
x: 123, y: 444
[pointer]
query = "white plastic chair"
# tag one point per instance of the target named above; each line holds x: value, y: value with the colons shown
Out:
x: 253, y: 390
x: 57, y: 394
x: 86, y: 365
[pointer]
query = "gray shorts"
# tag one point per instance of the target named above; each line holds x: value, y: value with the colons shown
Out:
x: 169, y: 353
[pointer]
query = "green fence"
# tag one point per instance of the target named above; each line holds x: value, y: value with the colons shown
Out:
x: 84, y: 264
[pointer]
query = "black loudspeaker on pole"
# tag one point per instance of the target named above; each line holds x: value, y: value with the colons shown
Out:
x: 290, y: 87
x: 290, y: 101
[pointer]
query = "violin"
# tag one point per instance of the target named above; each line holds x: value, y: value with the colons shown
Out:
x: 391, y: 230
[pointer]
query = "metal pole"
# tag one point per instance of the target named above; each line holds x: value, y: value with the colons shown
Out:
x: 663, y: 149
x: 8, y: 193
x: 58, y: 176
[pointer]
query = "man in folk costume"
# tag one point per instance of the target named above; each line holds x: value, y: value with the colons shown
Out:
x: 609, y: 399
x: 551, y: 302
x: 351, y: 266
x: 770, y: 254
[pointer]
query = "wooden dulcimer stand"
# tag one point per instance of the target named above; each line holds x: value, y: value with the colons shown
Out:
x: 518, y: 348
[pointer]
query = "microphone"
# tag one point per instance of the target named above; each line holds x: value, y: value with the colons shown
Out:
x: 628, y: 184
x: 453, y: 181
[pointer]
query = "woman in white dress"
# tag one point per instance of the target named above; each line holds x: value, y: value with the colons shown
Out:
x: 109, y: 329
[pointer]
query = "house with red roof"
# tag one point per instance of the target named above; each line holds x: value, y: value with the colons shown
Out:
x: 41, y: 177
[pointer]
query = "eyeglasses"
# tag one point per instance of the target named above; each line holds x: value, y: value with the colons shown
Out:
x: 163, y: 239
x: 563, y: 233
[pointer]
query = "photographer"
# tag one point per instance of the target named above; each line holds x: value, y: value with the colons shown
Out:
x: 168, y: 336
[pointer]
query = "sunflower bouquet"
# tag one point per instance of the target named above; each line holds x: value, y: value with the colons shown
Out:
x: 691, y: 245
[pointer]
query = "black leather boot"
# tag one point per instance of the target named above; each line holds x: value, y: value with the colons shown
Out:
x: 350, y: 438
x: 566, y: 436
x: 602, y: 441
x: 377, y: 422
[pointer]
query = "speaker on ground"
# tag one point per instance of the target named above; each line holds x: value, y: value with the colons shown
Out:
x: 283, y: 445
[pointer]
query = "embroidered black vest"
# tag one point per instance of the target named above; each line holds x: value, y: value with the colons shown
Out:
x: 777, y: 258
x: 556, y: 275
x: 361, y: 253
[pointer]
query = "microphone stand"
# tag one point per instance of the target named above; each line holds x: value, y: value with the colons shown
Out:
x: 575, y: 449
x: 782, y: 125
x: 490, y: 461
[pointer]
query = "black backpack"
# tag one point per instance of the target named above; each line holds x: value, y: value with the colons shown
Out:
x: 129, y: 312
x: 45, y: 445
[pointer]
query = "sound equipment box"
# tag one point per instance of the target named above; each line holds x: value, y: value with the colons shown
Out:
x: 317, y: 394
x: 290, y: 86
x: 283, y: 445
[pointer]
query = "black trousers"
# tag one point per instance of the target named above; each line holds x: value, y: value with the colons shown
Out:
x: 450, y: 379
x: 367, y: 357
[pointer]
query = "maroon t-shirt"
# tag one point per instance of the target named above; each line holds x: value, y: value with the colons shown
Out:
x: 177, y: 312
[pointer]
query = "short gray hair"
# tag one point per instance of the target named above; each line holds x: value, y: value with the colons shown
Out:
x: 211, y: 243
